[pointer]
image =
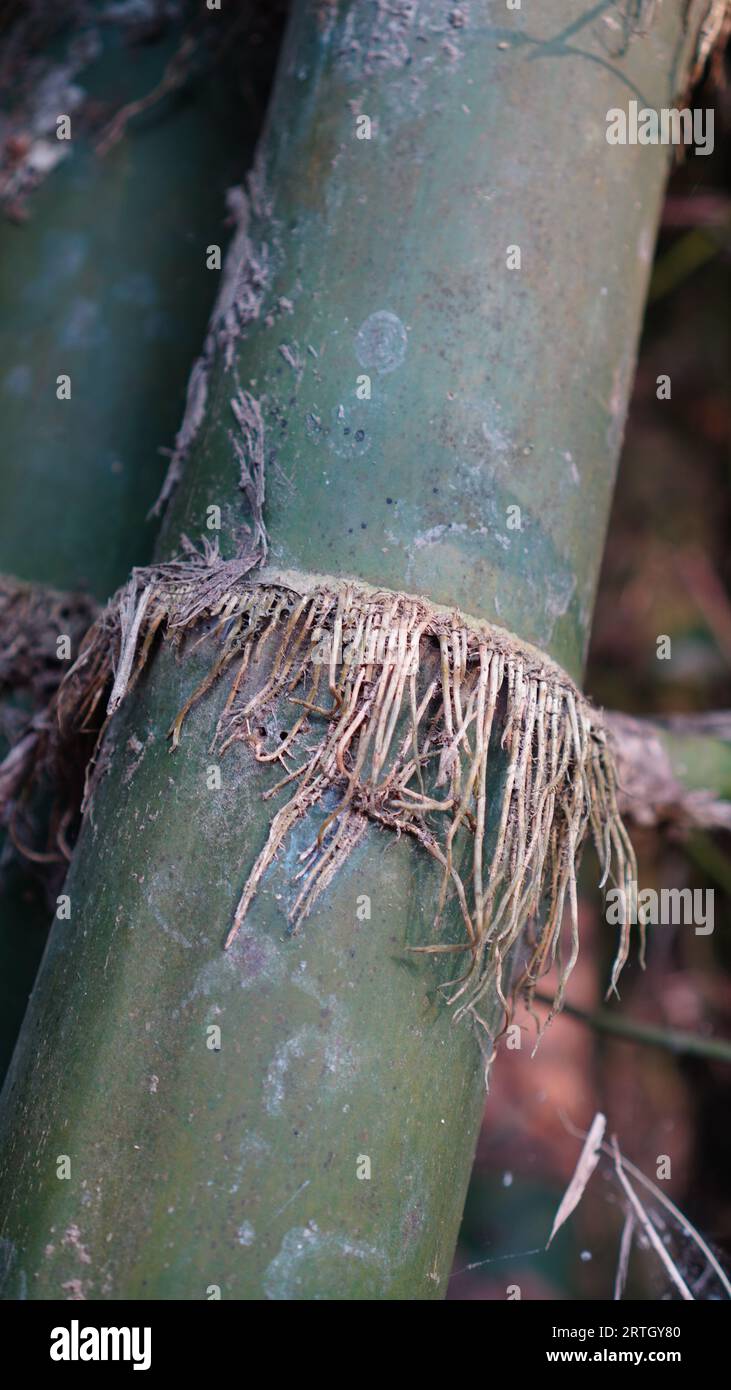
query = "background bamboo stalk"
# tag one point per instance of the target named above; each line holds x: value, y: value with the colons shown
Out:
x: 240, y: 1170
x: 105, y: 280
x: 675, y: 773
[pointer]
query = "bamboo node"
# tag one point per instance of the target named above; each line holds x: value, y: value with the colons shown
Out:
x: 405, y: 714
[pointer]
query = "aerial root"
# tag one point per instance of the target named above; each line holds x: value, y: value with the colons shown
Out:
x: 404, y: 714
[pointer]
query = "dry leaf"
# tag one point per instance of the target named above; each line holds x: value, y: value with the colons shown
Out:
x: 588, y: 1159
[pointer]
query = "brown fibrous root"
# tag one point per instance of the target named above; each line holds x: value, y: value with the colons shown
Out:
x: 404, y: 714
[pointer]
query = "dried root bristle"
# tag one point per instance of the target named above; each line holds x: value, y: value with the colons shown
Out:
x: 419, y: 719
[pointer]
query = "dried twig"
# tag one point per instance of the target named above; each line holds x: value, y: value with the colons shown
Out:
x: 625, y: 1248
x: 647, y: 1226
x: 686, y: 1226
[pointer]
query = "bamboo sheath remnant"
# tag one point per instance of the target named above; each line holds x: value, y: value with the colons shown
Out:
x: 404, y: 713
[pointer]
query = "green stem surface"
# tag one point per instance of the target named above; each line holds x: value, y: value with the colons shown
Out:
x: 241, y: 1172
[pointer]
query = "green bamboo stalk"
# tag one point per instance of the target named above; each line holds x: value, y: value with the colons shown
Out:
x: 106, y: 281
x: 239, y: 1171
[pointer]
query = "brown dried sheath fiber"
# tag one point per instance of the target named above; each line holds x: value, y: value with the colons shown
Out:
x: 418, y: 718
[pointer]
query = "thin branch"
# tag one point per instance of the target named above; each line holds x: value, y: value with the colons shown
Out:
x: 670, y: 1039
